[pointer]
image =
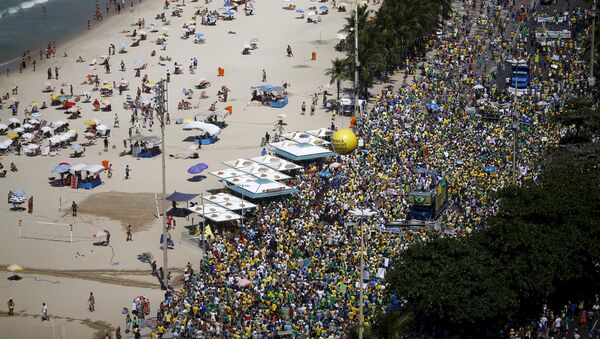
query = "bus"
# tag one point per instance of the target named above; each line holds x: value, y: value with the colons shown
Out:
x: 520, y: 76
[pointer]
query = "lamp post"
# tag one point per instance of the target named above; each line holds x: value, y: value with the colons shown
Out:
x: 161, y: 110
x: 356, y: 62
x: 361, y: 214
x: 592, y: 79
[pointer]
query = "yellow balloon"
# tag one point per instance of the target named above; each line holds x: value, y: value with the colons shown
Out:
x: 344, y: 141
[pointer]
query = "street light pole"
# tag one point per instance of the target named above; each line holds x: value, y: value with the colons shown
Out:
x: 361, y: 213
x: 161, y: 110
x: 592, y: 80
x: 356, y: 62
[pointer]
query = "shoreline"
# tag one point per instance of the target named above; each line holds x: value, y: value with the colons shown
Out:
x: 67, y: 41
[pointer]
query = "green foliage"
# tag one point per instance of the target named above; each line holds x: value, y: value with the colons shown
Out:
x: 584, y: 115
x: 337, y: 73
x: 540, y: 248
x: 387, y: 37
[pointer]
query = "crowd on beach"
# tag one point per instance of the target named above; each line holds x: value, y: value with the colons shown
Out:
x: 292, y: 266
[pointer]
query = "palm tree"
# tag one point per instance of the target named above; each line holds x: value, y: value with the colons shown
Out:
x: 337, y: 73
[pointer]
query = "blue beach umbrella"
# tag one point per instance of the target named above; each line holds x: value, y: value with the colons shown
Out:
x: 18, y: 192
x: 228, y: 4
x: 325, y: 174
x: 198, y: 168
x: 199, y: 35
x: 299, y: 10
x: 490, y: 169
x: 62, y: 168
x: 229, y: 12
x: 433, y: 105
x: 324, y: 8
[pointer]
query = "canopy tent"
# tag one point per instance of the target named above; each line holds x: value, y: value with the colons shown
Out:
x: 229, y: 201
x: 91, y: 180
x: 239, y: 163
x: 145, y: 146
x: 321, y: 132
x: 300, y: 151
x: 258, y: 188
x: 276, y: 163
x: 269, y: 95
x: 226, y: 173
x: 181, y: 197
x: 262, y: 171
x: 215, y: 212
x: 303, y: 137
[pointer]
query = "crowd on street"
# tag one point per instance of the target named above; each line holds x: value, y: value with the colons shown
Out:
x: 292, y: 267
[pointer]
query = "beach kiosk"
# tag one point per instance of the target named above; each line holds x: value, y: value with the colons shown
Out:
x: 269, y: 95
x: 300, y: 151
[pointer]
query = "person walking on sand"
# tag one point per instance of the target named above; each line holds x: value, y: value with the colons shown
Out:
x: 129, y: 233
x: 105, y: 144
x: 56, y: 73
x: 74, y: 209
x: 303, y: 107
x: 11, y: 307
x: 264, y: 76
x: 49, y: 73
x: 312, y: 109
x: 127, y: 324
x: 44, y: 312
x: 127, y: 170
x: 91, y: 302
x: 110, y: 171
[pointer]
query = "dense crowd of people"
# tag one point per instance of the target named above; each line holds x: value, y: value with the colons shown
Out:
x: 293, y: 266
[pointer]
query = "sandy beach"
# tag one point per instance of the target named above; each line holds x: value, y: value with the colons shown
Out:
x: 62, y: 274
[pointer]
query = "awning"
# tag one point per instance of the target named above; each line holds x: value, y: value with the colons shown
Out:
x: 177, y: 196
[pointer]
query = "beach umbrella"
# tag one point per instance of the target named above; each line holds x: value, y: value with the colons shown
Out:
x: 32, y: 146
x: 324, y: 8
x: 19, y: 130
x: 342, y: 36
x: 61, y: 168
x: 27, y: 136
x: 100, y: 234
x: 198, y: 35
x: 124, y: 82
x: 12, y: 135
x: 299, y: 10
x: 14, y: 121
x: 90, y: 123
x: 3, y: 127
x: 102, y: 127
x: 6, y: 143
x: 46, y: 129
x: 138, y: 62
x: 198, y: 168
x: 14, y: 268
x: 228, y: 4
x: 490, y: 169
x: 18, y: 192
x: 73, y: 109
x: 244, y: 283
x: 325, y: 174
x: 76, y: 147
x: 433, y: 106
x: 34, y: 121
x: 282, y: 116
x: 229, y: 12
x: 311, y: 13
x: 58, y: 123
x: 27, y: 126
x: 69, y: 104
x: 208, y: 128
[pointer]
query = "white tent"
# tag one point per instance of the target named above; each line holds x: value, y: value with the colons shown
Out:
x: 208, y: 128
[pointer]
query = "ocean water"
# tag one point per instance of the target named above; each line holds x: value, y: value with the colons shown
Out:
x: 24, y: 25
